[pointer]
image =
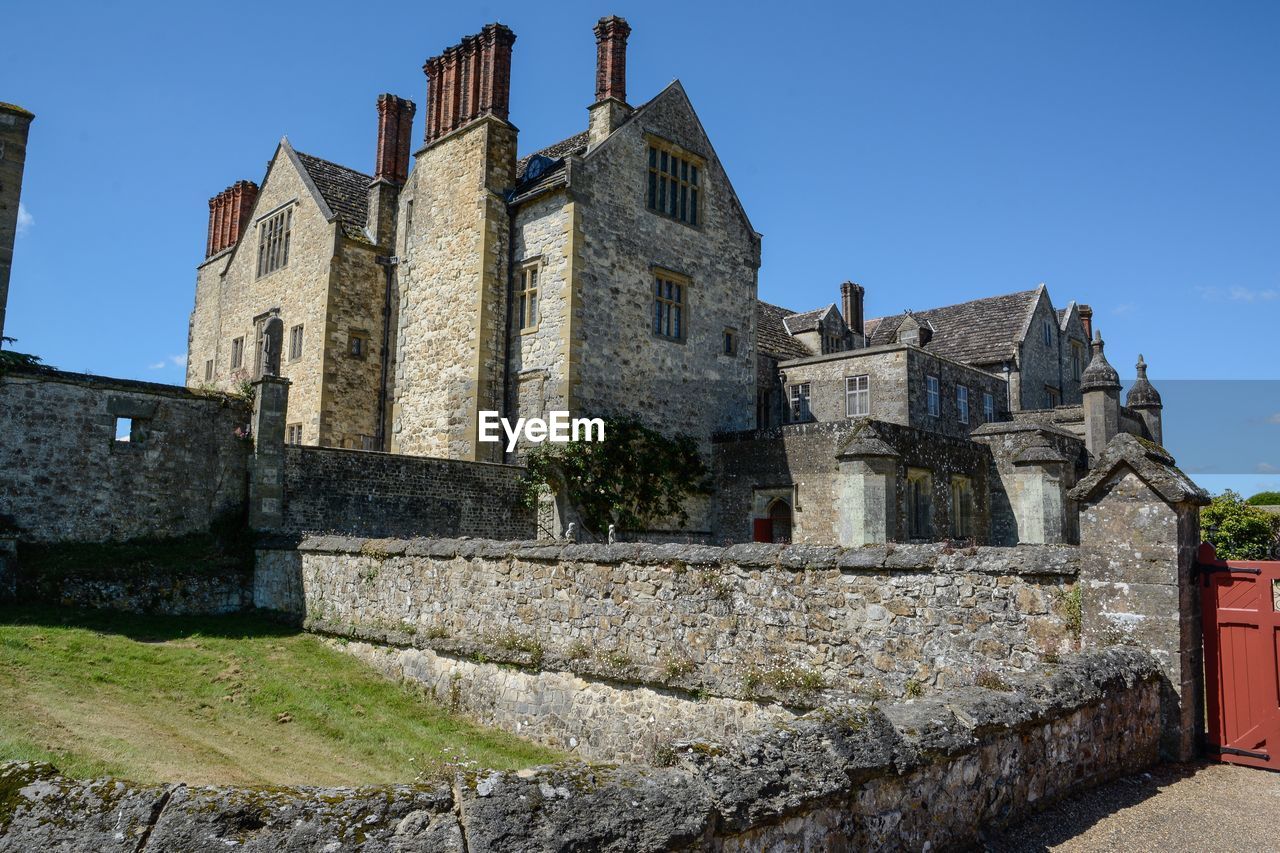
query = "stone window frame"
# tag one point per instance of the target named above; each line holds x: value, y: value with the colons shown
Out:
x: 962, y: 403
x: 853, y: 393
x: 988, y: 407
x: 237, y: 353
x: 535, y: 266
x: 357, y: 344
x: 295, y: 342
x: 293, y: 434
x: 275, y: 229
x: 677, y: 307
x: 1077, y: 359
x: 932, y: 395
x: 1046, y: 328
x: 208, y: 370
x: 795, y: 396
x: 1052, y: 397
x: 963, y: 519
x: 729, y: 342
x: 689, y: 178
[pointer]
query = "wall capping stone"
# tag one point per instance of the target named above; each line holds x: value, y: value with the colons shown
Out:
x: 987, y: 559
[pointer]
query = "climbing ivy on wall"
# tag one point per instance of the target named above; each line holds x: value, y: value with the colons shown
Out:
x: 633, y: 479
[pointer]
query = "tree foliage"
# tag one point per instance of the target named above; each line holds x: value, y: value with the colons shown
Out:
x: 10, y: 359
x: 633, y: 479
x: 1237, y: 530
x: 1265, y: 499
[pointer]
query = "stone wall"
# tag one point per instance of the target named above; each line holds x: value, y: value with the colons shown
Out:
x: 800, y: 462
x: 380, y: 494
x: 194, y: 593
x: 15, y: 123
x: 1010, y: 484
x: 68, y: 478
x: 797, y: 626
x: 922, y: 774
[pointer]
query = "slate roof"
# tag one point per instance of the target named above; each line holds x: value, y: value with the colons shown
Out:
x: 983, y: 331
x: 806, y: 322
x: 575, y: 144
x: 346, y: 191
x: 771, y: 333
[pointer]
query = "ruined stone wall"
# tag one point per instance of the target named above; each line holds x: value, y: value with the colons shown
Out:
x: 453, y: 289
x: 15, y: 123
x: 380, y: 494
x: 229, y: 295
x: 801, y: 460
x: 916, y: 775
x: 193, y: 593
x: 67, y: 477
x: 797, y: 626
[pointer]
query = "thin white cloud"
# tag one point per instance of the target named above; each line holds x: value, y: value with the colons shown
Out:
x: 1268, y: 468
x: 25, y: 219
x: 159, y: 365
x: 1236, y: 293
x: 178, y: 360
x: 1274, y: 419
x: 1122, y: 308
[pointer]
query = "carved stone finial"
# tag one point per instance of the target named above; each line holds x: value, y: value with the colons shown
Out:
x: 613, y: 534
x: 571, y: 532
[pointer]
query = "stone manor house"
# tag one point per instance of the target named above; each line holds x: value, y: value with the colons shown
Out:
x: 616, y: 272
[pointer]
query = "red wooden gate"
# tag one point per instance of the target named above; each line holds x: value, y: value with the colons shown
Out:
x: 1240, y: 600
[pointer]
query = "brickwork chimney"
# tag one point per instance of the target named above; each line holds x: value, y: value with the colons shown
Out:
x: 15, y: 122
x: 229, y: 215
x: 851, y: 296
x: 469, y: 80
x: 610, y: 108
x: 391, y: 167
x: 1086, y: 320
x: 395, y: 119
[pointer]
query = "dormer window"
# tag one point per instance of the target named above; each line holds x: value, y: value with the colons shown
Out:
x: 675, y: 186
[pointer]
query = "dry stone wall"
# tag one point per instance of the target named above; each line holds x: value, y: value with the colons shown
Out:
x: 922, y: 774
x: 68, y: 478
x: 796, y: 627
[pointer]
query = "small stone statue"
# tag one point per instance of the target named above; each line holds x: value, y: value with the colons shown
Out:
x: 613, y: 534
x: 571, y: 532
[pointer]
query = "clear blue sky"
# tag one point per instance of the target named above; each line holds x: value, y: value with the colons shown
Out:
x: 1123, y: 153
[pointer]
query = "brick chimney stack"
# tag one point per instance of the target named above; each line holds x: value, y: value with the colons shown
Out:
x: 229, y: 215
x: 1086, y: 320
x: 851, y: 297
x: 391, y: 167
x: 469, y: 80
x: 395, y: 122
x: 610, y: 108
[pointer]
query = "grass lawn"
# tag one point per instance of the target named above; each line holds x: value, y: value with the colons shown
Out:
x: 232, y: 699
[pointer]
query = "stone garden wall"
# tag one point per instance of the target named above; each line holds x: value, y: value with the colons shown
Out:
x: 362, y: 493
x: 191, y: 593
x: 648, y: 634
x: 920, y: 774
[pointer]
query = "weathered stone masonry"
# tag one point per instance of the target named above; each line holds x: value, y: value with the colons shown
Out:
x: 923, y: 774
x: 796, y: 626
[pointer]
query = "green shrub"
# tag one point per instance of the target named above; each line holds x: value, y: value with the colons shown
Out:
x: 1265, y: 499
x: 1237, y: 530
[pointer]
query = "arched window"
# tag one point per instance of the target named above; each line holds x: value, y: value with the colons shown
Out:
x: 780, y: 521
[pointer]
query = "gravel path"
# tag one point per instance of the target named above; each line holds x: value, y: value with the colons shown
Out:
x: 1172, y: 809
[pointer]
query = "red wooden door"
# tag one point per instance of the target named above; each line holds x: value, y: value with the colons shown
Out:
x: 1240, y: 600
x: 761, y: 530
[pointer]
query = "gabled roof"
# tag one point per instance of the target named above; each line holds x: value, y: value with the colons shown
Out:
x: 982, y: 331
x: 1153, y: 465
x: 772, y: 338
x: 807, y: 321
x: 344, y: 190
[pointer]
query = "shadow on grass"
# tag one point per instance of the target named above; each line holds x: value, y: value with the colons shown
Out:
x: 150, y: 628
